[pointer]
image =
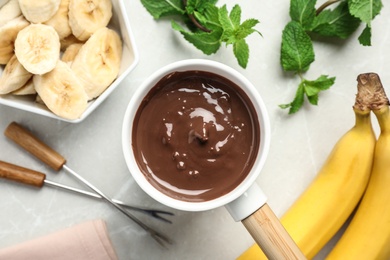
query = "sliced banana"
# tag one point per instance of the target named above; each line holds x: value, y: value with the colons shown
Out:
x: 14, y: 76
x: 85, y: 17
x: 8, y: 33
x: 67, y: 41
x: 38, y: 48
x: 98, y: 61
x: 39, y: 11
x: 3, y: 2
x: 26, y: 89
x: 62, y: 92
x: 9, y: 11
x: 60, y: 20
x: 39, y: 100
x: 70, y: 53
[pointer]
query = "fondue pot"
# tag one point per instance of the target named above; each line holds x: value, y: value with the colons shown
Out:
x: 246, y: 202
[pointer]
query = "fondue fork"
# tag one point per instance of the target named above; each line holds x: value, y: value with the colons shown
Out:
x: 36, y: 147
x: 37, y: 179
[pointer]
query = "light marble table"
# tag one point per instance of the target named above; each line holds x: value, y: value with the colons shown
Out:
x: 300, y: 143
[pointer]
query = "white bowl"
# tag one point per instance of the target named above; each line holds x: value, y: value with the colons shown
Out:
x: 224, y: 71
x: 120, y: 23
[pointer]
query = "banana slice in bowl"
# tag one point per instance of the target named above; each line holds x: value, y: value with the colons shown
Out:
x: 37, y: 48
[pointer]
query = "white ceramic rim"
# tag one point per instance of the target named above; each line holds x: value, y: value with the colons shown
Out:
x: 214, y: 67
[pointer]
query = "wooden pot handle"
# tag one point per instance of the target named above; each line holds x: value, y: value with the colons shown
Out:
x: 271, y: 236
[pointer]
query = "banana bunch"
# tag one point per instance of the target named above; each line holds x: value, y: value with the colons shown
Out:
x: 37, y: 38
x: 368, y: 234
x: 329, y: 200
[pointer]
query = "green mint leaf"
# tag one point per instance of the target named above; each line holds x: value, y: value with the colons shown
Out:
x: 310, y: 88
x: 211, y: 17
x: 235, y: 33
x: 205, y: 25
x: 199, y: 6
x: 313, y: 87
x: 336, y: 23
x: 365, y: 10
x: 233, y: 30
x: 208, y: 43
x: 241, y: 52
x: 313, y: 99
x: 303, y: 12
x: 246, y: 28
x: 297, y: 103
x: 208, y: 17
x: 225, y: 20
x: 297, y: 51
x: 235, y: 16
x: 365, y: 36
x: 160, y: 8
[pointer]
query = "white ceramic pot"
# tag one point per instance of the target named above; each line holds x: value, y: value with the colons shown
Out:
x: 247, y: 198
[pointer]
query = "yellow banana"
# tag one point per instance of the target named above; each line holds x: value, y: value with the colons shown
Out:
x: 333, y: 195
x: 368, y: 234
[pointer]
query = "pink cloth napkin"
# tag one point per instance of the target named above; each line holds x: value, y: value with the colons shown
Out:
x: 88, y: 240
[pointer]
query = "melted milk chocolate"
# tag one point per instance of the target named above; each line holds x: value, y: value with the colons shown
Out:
x: 195, y: 136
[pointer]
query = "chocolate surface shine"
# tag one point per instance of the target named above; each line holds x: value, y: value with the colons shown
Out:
x: 195, y: 135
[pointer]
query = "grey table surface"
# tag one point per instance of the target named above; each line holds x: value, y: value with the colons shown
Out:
x: 299, y: 144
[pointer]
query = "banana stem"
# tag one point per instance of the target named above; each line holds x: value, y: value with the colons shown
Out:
x: 362, y: 118
x: 383, y: 116
x: 371, y: 94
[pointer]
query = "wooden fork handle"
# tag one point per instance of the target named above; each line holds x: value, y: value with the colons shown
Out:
x: 36, y: 147
x: 23, y: 175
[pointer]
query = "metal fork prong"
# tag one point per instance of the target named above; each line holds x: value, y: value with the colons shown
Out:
x: 152, y: 212
x: 155, y: 214
x: 117, y: 206
x: 160, y: 238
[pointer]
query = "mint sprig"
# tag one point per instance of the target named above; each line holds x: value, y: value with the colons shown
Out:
x: 207, y: 26
x: 311, y: 89
x: 297, y: 52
